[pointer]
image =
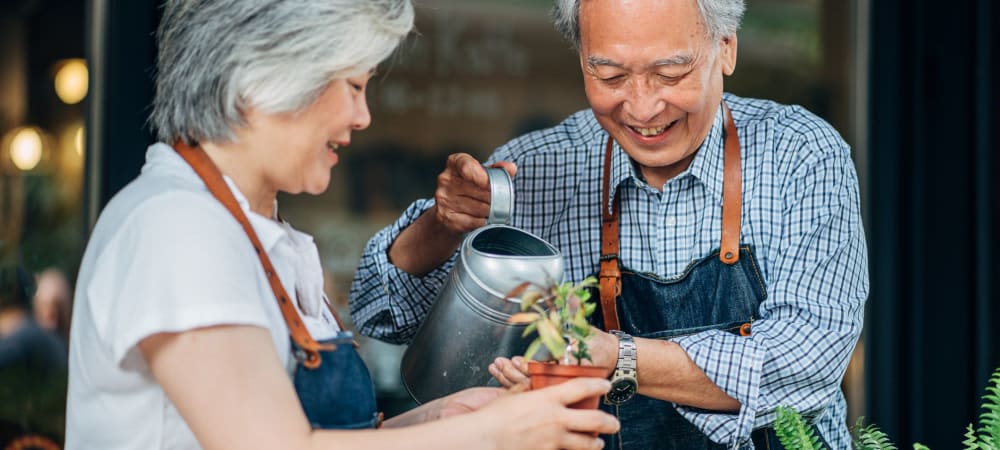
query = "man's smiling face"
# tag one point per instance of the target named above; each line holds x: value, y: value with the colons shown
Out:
x: 653, y: 77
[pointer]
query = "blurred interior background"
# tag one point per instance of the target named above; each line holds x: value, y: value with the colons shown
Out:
x: 908, y: 83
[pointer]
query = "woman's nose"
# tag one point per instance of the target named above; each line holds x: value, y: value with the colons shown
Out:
x: 362, y: 116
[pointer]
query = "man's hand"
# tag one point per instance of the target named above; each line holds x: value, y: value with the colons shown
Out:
x: 461, y: 204
x: 462, y: 198
x: 511, y: 373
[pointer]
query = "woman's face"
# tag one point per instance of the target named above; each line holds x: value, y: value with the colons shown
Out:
x: 294, y: 152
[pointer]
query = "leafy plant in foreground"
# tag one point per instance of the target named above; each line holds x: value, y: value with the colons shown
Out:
x: 795, y: 434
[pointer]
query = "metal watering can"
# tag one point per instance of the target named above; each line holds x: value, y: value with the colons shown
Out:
x: 467, y: 327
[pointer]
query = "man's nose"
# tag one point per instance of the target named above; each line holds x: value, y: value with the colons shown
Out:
x: 645, y: 101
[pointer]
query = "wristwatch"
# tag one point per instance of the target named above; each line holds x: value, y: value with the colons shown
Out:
x: 625, y: 381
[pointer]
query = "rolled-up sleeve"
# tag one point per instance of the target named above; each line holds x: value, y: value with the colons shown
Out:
x: 386, y: 302
x: 813, y: 314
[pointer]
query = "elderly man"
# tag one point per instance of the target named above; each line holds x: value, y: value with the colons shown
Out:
x: 728, y: 227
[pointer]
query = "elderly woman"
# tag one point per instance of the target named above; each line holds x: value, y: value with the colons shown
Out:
x: 200, y: 320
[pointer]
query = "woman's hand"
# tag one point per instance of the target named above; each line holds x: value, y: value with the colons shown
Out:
x: 461, y: 402
x: 540, y: 419
x: 467, y: 400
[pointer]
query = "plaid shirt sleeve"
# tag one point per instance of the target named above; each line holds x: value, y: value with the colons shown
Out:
x: 813, y: 315
x: 386, y: 302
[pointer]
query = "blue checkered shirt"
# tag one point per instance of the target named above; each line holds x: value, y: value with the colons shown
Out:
x: 800, y: 212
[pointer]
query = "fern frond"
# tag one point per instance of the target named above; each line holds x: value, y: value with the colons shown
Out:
x: 872, y: 438
x: 855, y: 432
x: 970, y: 442
x: 989, y: 420
x: 793, y: 432
x: 919, y: 446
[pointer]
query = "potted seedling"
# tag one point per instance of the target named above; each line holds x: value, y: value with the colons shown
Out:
x: 557, y: 313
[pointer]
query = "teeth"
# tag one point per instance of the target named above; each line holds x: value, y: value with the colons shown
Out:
x: 332, y: 146
x: 650, y: 131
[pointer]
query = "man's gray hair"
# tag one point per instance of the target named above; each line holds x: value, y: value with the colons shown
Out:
x: 721, y: 17
x: 218, y: 57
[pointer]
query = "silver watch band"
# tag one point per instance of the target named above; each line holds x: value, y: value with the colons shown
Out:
x: 626, y: 352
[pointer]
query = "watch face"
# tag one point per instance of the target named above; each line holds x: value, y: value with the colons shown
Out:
x: 622, y: 389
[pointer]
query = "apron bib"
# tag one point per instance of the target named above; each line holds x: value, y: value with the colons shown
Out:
x: 722, y: 291
x: 339, y: 394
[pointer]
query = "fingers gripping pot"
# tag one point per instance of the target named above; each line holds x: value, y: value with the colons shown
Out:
x: 467, y: 326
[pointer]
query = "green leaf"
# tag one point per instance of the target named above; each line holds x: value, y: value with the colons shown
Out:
x: 529, y: 329
x: 523, y: 317
x: 793, y: 432
x: 970, y: 441
x: 552, y: 339
x: 581, y: 328
x: 556, y: 319
x: 582, y: 352
x: 532, y: 349
x: 989, y: 419
x: 870, y: 437
x: 529, y: 299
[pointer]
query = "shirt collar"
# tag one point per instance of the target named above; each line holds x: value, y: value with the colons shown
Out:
x: 161, y: 156
x: 707, y: 165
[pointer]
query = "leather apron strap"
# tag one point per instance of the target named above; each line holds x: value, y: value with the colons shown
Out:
x: 732, y: 193
x: 210, y: 174
x: 610, y: 276
x: 732, y: 201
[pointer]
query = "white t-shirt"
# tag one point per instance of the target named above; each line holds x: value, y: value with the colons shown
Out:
x: 166, y: 256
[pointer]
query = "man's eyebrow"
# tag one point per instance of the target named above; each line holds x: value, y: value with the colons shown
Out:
x: 594, y: 61
x: 678, y: 60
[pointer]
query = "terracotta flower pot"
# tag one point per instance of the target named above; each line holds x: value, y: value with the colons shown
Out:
x: 549, y: 374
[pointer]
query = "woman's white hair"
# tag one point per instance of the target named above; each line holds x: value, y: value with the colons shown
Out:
x: 721, y: 17
x: 218, y: 57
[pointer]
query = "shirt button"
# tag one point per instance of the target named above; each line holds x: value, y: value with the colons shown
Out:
x: 671, y: 221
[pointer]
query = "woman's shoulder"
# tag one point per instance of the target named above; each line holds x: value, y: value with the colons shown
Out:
x: 162, y: 205
x: 170, y: 214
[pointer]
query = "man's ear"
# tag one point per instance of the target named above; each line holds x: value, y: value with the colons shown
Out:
x: 728, y: 54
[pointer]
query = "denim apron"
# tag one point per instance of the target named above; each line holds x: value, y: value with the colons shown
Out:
x: 332, y: 382
x: 339, y: 394
x: 721, y: 291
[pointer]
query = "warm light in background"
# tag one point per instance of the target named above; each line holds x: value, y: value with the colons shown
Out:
x: 71, y: 81
x: 78, y: 140
x: 26, y: 148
